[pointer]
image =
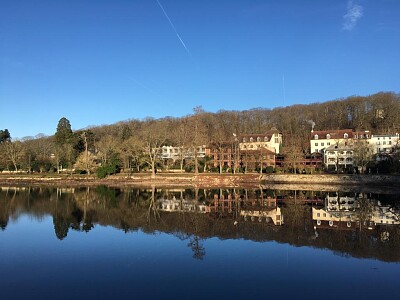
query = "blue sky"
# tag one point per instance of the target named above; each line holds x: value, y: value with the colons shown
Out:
x: 99, y: 62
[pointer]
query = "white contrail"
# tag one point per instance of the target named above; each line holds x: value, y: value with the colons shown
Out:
x: 173, y: 27
x: 145, y: 87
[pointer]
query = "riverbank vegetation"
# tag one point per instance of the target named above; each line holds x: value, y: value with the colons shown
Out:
x: 132, y: 145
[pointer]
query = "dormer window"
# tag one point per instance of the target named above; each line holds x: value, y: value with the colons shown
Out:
x: 328, y: 136
x: 316, y: 137
x: 265, y: 139
x: 345, y: 135
x: 244, y: 140
x: 258, y: 139
x: 251, y: 139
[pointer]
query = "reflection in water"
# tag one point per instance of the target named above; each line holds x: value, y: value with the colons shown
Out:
x: 357, y: 224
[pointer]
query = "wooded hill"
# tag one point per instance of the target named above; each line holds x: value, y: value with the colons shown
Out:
x: 132, y: 142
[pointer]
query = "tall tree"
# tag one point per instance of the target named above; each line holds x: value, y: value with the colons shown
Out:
x: 4, y: 136
x: 64, y: 132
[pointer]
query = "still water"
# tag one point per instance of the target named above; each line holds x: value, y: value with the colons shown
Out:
x: 103, y: 243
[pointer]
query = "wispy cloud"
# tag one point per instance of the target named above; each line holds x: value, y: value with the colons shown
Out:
x: 353, y: 14
x: 173, y: 27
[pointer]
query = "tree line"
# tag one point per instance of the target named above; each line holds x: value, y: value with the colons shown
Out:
x: 132, y: 145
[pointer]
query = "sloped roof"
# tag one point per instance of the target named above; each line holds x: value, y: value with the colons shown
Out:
x: 267, y: 134
x: 335, y: 134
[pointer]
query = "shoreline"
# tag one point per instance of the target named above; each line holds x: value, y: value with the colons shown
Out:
x: 298, y: 181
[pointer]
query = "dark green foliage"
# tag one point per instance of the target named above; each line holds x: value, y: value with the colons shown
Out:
x: 78, y: 140
x: 63, y: 134
x: 112, y: 167
x: 269, y: 169
x: 4, y: 135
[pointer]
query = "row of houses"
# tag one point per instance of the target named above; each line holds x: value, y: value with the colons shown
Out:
x: 248, y: 152
x: 333, y: 149
x: 335, y: 210
x: 341, y: 148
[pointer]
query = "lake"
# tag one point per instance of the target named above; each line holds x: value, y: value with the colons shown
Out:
x: 157, y: 243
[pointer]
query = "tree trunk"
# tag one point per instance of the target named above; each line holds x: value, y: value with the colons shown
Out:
x: 196, y: 163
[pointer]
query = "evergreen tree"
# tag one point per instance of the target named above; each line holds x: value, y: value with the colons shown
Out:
x: 64, y: 132
x: 4, y: 135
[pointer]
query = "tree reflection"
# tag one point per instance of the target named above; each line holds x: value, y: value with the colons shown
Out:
x: 196, y: 244
x: 61, y: 226
x: 195, y: 216
x: 153, y: 209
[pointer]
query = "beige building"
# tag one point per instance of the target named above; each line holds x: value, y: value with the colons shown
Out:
x: 271, y: 140
x: 274, y: 215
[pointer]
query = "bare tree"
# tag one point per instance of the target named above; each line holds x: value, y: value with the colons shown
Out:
x: 362, y: 153
x: 153, y: 136
x: 14, y: 152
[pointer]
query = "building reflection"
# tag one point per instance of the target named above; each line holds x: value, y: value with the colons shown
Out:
x: 233, y: 204
x: 358, y: 224
x: 354, y: 211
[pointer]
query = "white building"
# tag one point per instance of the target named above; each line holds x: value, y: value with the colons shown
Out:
x: 322, y: 139
x: 175, y: 153
x: 384, y: 143
x: 338, y: 157
x: 345, y: 210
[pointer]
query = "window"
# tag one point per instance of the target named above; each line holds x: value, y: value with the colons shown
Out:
x: 276, y: 140
x: 316, y: 144
x: 258, y: 139
x: 328, y: 136
x: 384, y: 142
x: 328, y: 143
x: 322, y: 144
x: 316, y: 137
x: 265, y: 139
x: 390, y: 142
x: 251, y: 139
x: 316, y: 150
x: 345, y: 135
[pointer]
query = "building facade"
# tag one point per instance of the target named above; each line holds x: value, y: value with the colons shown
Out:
x: 271, y: 140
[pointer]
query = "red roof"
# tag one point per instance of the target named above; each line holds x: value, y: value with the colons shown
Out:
x: 334, y: 134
